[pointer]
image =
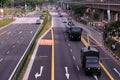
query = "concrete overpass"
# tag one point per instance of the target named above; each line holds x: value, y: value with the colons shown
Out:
x: 101, y: 6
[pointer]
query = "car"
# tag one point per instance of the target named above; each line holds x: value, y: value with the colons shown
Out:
x: 74, y: 33
x: 38, y: 21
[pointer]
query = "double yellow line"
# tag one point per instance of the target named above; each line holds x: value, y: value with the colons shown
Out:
x: 103, y: 67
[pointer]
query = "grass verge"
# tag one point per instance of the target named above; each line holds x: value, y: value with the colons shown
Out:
x: 5, y: 22
x: 22, y: 68
x: 109, y: 43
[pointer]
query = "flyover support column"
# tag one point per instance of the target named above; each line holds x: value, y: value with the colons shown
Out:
x: 116, y: 17
x: 101, y: 18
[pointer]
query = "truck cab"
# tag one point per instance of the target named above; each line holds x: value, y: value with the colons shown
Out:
x: 90, y: 61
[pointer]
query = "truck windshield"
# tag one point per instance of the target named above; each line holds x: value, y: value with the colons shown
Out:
x: 76, y: 29
x: 92, y: 60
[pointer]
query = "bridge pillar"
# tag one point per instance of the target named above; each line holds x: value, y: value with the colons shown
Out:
x: 102, y: 14
x: 116, y: 17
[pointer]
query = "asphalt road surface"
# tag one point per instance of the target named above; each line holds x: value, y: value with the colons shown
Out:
x: 14, y: 40
x: 67, y: 63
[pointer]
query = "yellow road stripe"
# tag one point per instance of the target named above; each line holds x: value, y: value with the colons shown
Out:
x: 3, y: 33
x: 52, y: 66
x: 106, y: 71
x: 84, y: 42
x: 95, y: 40
x: 109, y: 75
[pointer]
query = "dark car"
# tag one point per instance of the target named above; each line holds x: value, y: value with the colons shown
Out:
x: 74, y: 33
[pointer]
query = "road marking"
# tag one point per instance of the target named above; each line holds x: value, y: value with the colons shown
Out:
x: 39, y: 74
x: 96, y: 78
x: 109, y: 75
x: 84, y: 41
x: 3, y: 33
x: 43, y: 56
x: 31, y: 32
x: 8, y: 33
x: 53, y: 60
x: 1, y: 59
x: 8, y: 52
x: 73, y: 57
x: 20, y: 32
x: 106, y: 71
x: 78, y: 68
x: 13, y: 46
x: 68, y: 44
x: 66, y: 73
x: 116, y: 71
x: 7, y: 38
x: 70, y: 50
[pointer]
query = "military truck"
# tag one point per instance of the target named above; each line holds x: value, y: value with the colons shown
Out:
x: 90, y: 61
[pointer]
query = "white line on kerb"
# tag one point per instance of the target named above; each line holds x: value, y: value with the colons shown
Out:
x: 116, y: 71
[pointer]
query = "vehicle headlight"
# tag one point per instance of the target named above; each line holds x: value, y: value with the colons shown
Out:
x: 88, y: 68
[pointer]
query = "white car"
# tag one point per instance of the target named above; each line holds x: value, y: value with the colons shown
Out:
x: 38, y: 21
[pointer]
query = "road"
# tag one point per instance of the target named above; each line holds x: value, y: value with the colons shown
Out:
x: 14, y: 40
x: 66, y: 57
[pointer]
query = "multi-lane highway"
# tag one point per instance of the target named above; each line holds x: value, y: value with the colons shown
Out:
x: 58, y: 58
x: 14, y: 40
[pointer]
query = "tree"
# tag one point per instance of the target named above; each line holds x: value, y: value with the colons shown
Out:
x: 79, y: 9
x: 3, y: 2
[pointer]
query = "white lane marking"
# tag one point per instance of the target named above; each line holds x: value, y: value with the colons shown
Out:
x: 20, y: 32
x: 39, y: 74
x: 70, y: 50
x: 116, y: 71
x: 13, y: 46
x: 31, y: 32
x: 1, y: 59
x: 8, y: 52
x: 66, y: 73
x: 73, y: 57
x: 68, y: 44
x: 96, y: 78
x: 78, y: 68
x: 8, y: 33
x: 7, y: 38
